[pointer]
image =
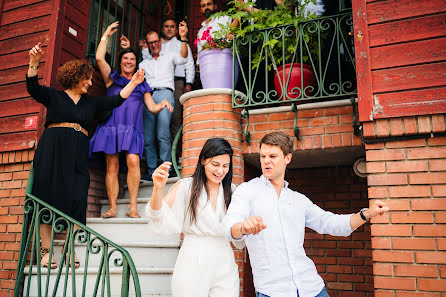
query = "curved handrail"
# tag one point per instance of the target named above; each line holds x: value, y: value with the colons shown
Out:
x: 37, y: 212
x: 174, y: 152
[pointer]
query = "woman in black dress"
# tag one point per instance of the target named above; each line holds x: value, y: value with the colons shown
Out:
x: 61, y: 176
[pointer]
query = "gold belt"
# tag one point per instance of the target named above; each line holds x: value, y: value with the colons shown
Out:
x: 75, y: 126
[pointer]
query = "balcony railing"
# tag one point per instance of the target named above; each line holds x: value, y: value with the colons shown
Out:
x: 324, y: 44
x: 104, y: 257
x: 129, y: 13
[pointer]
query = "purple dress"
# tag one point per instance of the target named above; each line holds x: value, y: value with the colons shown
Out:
x: 124, y: 130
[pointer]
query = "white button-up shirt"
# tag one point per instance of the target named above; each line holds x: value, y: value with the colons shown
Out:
x: 159, y: 73
x: 279, y: 264
x: 174, y: 46
x: 215, y: 26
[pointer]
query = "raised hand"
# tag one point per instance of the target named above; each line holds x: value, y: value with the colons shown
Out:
x: 161, y: 174
x: 125, y: 43
x: 182, y: 29
x: 167, y: 104
x: 138, y: 77
x: 376, y: 208
x: 111, y: 29
x: 253, y: 225
x: 35, y: 54
x: 142, y: 43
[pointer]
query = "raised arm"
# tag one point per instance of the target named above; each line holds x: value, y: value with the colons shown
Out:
x: 102, y: 50
x: 190, y: 70
x: 137, y: 78
x: 376, y: 208
x: 183, y: 36
x: 35, y: 54
x: 159, y: 177
x: 40, y: 93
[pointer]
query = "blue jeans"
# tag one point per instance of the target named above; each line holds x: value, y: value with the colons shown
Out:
x: 322, y: 293
x: 157, y: 125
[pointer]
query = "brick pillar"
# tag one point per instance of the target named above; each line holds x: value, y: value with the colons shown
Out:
x: 409, y: 244
x: 14, y: 171
x: 208, y: 113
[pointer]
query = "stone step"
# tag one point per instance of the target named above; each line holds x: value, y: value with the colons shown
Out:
x: 144, y: 254
x: 145, y: 188
x: 153, y: 282
x: 144, y: 193
x: 130, y: 230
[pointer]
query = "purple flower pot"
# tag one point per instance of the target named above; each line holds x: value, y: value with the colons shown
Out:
x: 216, y: 68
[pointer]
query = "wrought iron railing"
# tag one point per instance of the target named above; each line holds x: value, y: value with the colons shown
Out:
x: 129, y: 13
x: 34, y: 280
x: 175, y: 142
x: 323, y: 45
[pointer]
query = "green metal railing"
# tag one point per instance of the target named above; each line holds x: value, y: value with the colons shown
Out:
x: 325, y: 44
x: 174, y: 151
x: 130, y: 15
x: 34, y: 279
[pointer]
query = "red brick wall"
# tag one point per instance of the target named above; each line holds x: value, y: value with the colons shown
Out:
x: 318, y: 128
x: 14, y: 171
x: 409, y: 245
x: 205, y: 117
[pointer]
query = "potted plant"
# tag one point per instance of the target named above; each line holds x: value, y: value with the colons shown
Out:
x: 286, y: 49
x: 215, y: 58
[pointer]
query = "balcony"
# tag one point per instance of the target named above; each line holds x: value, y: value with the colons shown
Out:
x: 319, y: 54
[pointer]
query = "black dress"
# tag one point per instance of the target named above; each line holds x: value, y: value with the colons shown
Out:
x: 61, y: 176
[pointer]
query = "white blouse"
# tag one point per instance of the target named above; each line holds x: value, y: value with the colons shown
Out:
x: 176, y: 219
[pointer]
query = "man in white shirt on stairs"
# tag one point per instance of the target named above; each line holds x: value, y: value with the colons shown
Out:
x: 271, y: 218
x: 159, y: 69
x: 184, y: 74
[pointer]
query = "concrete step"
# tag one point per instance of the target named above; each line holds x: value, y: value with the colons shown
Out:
x: 144, y: 193
x: 144, y: 255
x: 130, y: 230
x: 153, y: 282
x: 145, y: 188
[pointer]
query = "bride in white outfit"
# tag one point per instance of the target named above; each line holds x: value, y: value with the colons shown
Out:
x: 195, y: 206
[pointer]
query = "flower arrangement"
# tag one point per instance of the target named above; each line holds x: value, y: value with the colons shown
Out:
x: 221, y: 38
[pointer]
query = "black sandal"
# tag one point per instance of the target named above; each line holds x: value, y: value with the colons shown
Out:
x: 43, y: 252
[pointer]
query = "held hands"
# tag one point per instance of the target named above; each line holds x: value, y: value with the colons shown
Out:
x: 35, y: 54
x: 253, y: 225
x: 138, y: 77
x: 376, y: 208
x: 167, y: 104
x: 125, y: 43
x: 111, y: 29
x: 161, y: 174
x: 182, y: 30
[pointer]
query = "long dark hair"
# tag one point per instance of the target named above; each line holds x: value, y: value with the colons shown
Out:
x: 122, y: 53
x: 213, y: 147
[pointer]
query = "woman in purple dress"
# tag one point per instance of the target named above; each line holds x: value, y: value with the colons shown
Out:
x: 123, y: 130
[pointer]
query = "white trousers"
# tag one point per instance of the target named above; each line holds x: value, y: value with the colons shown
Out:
x: 205, y: 267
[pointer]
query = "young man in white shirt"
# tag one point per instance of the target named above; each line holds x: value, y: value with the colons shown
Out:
x: 271, y: 218
x: 159, y: 70
x: 184, y: 74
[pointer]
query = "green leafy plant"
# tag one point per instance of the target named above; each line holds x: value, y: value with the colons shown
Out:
x: 282, y: 17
